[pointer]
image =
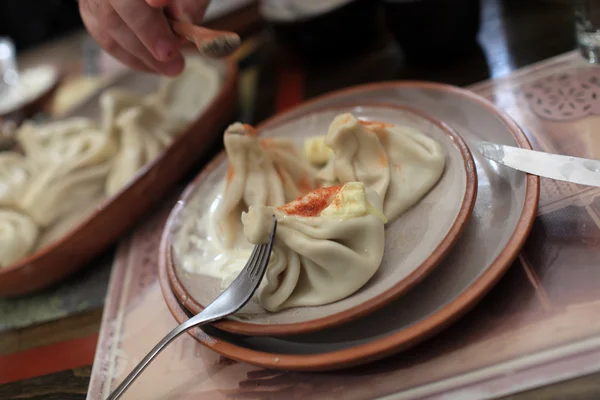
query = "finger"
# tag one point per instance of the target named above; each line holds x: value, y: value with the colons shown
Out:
x: 124, y: 36
x: 130, y: 42
x: 118, y: 52
x: 110, y: 45
x: 150, y: 26
x: 191, y: 11
x: 158, y: 3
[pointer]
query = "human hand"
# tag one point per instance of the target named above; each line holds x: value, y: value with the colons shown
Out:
x: 137, y: 32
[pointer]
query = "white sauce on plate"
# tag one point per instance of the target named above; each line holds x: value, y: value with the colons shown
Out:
x: 198, y: 248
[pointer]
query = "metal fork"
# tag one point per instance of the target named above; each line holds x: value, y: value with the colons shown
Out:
x: 231, y: 300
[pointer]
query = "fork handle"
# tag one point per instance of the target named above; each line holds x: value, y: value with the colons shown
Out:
x: 199, y: 319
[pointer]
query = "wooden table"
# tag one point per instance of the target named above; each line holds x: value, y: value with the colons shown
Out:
x: 514, y: 33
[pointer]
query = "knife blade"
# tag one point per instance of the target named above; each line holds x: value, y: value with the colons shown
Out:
x: 554, y: 166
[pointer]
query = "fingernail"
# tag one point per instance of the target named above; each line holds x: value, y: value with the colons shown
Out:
x: 165, y: 50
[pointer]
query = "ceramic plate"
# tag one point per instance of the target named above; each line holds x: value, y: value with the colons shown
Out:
x: 502, y: 218
x: 415, y: 243
x: 74, y: 243
x: 27, y: 107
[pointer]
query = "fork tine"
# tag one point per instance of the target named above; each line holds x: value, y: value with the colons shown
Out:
x: 265, y: 255
x: 258, y: 265
x: 253, y: 256
x: 260, y: 248
x: 273, y: 232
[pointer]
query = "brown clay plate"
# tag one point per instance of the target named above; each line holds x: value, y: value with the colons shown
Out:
x: 415, y: 243
x: 114, y: 216
x: 502, y: 218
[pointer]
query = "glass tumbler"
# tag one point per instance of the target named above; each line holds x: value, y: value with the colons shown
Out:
x: 587, y: 29
x: 9, y: 74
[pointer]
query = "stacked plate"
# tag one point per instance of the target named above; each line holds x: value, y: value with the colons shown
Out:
x: 440, y: 257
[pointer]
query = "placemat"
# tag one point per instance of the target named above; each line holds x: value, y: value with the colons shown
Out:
x: 537, y: 326
x: 81, y: 292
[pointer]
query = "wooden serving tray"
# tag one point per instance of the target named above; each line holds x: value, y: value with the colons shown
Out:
x: 119, y: 213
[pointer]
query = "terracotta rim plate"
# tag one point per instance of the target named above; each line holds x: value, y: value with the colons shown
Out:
x: 30, y: 106
x: 411, y: 250
x: 502, y: 219
x: 117, y: 214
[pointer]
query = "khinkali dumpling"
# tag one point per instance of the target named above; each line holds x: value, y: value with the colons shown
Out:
x: 143, y: 131
x: 74, y: 158
x: 16, y: 173
x: 328, y: 244
x: 399, y: 162
x: 76, y: 141
x: 18, y: 234
x: 130, y: 158
x: 316, y: 151
x: 267, y: 172
x: 186, y: 95
x: 112, y: 103
x: 58, y: 190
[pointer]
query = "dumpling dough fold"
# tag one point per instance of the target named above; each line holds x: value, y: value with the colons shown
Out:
x: 77, y: 141
x: 328, y: 245
x: 56, y: 191
x: 113, y: 102
x: 73, y: 158
x: 143, y: 132
x: 18, y: 234
x: 16, y: 172
x: 399, y: 162
x: 265, y: 172
x: 184, y: 97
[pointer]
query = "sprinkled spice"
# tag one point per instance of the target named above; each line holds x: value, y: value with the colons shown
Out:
x: 375, y: 124
x: 381, y: 134
x: 304, y: 184
x: 311, y: 204
x: 242, y: 129
x: 337, y: 201
x: 250, y: 130
x: 266, y: 143
x: 383, y: 161
x: 230, y: 172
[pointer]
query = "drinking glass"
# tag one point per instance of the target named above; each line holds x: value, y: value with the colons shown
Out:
x: 8, y: 62
x: 587, y: 28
